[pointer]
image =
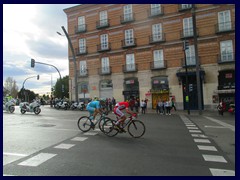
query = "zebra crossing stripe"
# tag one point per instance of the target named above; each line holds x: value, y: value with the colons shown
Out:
x: 79, y: 139
x: 90, y: 133
x: 64, y: 146
x: 37, y: 160
x: 201, y: 140
x: 195, y: 131
x: 199, y: 135
x: 214, y: 158
x: 207, y: 148
x: 192, y: 127
x: 222, y: 172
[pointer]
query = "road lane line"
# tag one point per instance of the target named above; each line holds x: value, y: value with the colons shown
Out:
x: 222, y: 172
x: 37, y: 160
x: 214, y: 158
x: 14, y: 154
x: 221, y: 123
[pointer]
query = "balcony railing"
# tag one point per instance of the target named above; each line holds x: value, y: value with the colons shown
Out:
x: 131, y: 42
x: 191, y: 61
x: 127, y: 18
x: 83, y: 72
x: 225, y: 27
x: 81, y: 28
x: 102, y: 23
x: 107, y: 70
x: 155, y: 12
x: 158, y: 65
x: 187, y: 33
x: 81, y: 51
x: 184, y: 7
x: 226, y: 57
x: 130, y: 68
x: 104, y: 47
x: 158, y: 38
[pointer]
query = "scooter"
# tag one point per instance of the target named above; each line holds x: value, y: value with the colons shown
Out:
x: 32, y: 107
x: 9, y: 106
x: 80, y: 106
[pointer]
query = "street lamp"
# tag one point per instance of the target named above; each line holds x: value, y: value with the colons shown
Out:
x: 74, y: 59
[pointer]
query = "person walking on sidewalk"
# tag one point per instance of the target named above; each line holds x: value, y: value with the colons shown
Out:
x: 143, y: 106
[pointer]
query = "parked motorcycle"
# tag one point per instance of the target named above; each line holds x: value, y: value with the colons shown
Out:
x: 9, y: 106
x: 79, y: 106
x: 32, y: 107
x: 62, y: 105
x: 231, y: 108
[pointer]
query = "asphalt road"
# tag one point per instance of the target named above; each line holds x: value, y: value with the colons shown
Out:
x: 50, y: 144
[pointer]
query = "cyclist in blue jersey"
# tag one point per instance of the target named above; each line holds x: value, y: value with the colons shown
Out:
x: 95, y: 107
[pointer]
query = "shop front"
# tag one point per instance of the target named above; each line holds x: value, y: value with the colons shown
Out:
x: 131, y: 88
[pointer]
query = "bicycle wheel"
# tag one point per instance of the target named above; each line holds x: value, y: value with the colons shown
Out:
x: 136, y: 128
x: 109, y: 128
x: 84, y: 124
x: 101, y: 122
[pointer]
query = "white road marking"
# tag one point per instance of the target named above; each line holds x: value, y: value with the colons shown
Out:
x: 37, y: 160
x: 222, y: 172
x: 79, y: 139
x: 215, y: 127
x: 214, y: 158
x: 195, y: 131
x: 206, y: 148
x: 199, y: 135
x: 14, y: 154
x: 192, y: 127
x: 64, y: 146
x: 90, y: 133
x: 8, y: 175
x: 201, y: 141
x: 221, y: 123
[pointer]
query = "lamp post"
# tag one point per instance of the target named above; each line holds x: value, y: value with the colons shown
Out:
x: 74, y: 60
x: 25, y: 96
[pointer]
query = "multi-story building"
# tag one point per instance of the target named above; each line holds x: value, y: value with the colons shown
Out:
x: 125, y: 50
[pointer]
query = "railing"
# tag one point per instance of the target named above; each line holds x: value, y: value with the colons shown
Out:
x: 157, y: 65
x: 158, y: 38
x: 83, y: 72
x: 130, y: 68
x: 191, y: 61
x: 107, y: 70
x: 154, y: 12
x: 127, y: 18
x: 226, y: 57
x: 184, y: 7
x: 81, y: 51
x: 104, y: 47
x: 102, y: 23
x: 81, y: 28
x: 131, y: 42
x: 225, y: 27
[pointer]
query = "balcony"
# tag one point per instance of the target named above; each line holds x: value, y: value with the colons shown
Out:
x: 187, y: 33
x: 159, y: 38
x: 155, y: 12
x: 226, y: 58
x: 104, y: 47
x: 107, y: 70
x: 81, y: 51
x: 129, y: 68
x: 81, y: 28
x: 191, y: 61
x: 131, y: 42
x: 225, y: 27
x: 184, y: 7
x: 102, y: 24
x: 83, y: 72
x: 127, y: 18
x: 158, y: 65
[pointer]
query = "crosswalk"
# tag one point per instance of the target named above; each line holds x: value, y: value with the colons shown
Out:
x: 204, y: 144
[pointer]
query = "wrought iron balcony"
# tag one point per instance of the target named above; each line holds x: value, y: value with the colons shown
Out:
x: 131, y: 42
x: 158, y: 38
x: 81, y: 28
x: 107, y: 70
x: 155, y: 12
x: 158, y: 65
x: 226, y: 58
x: 127, y: 18
x: 81, y: 51
x: 104, y: 47
x: 225, y: 27
x: 128, y: 68
x: 104, y: 23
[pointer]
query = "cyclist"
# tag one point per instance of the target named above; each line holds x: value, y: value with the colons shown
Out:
x: 95, y: 107
x: 118, y: 112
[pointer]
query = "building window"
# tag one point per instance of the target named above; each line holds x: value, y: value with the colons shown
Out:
x: 129, y: 39
x: 226, y: 51
x: 157, y: 32
x: 186, y: 6
x: 82, y: 46
x: 155, y: 9
x: 104, y: 41
x: 187, y: 27
x: 83, y: 68
x: 224, y: 21
x: 106, y: 84
x: 81, y: 24
x: 130, y: 62
x: 103, y: 16
x: 190, y: 56
x: 127, y: 13
x: 158, y: 58
x: 105, y: 65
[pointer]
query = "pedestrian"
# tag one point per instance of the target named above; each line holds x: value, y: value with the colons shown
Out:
x: 167, y: 105
x: 136, y: 105
x: 173, y: 104
x: 143, y: 106
x: 158, y: 107
x: 146, y: 102
x: 221, y: 107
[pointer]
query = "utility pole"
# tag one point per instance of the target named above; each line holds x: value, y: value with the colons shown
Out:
x: 185, y: 47
x: 199, y: 90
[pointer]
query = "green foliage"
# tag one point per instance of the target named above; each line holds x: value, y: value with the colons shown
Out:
x: 58, y: 88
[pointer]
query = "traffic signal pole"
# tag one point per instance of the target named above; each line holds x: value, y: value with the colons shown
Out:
x: 185, y: 47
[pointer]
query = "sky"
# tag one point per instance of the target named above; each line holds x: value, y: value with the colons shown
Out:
x: 30, y: 32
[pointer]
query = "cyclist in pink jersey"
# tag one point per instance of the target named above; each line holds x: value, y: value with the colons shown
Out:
x: 118, y: 111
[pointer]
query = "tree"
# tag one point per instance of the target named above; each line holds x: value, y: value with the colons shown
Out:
x: 58, y: 88
x: 30, y: 95
x: 11, y: 86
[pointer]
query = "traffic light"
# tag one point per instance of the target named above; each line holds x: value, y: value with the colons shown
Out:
x: 185, y: 44
x: 37, y: 77
x: 32, y: 63
x: 190, y: 87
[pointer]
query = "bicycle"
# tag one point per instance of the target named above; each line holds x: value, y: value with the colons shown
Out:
x: 135, y: 128
x: 85, y: 124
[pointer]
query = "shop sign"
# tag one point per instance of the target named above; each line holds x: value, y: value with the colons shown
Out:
x: 130, y: 82
x: 161, y: 91
x: 228, y: 75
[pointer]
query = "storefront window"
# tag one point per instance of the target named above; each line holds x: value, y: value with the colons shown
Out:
x: 106, y: 84
x: 160, y: 83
